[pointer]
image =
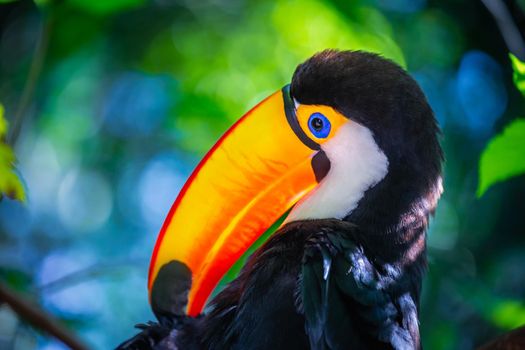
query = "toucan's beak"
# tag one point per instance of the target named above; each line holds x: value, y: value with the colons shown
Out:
x: 257, y: 171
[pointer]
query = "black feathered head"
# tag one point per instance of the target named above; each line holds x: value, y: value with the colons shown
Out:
x: 377, y: 94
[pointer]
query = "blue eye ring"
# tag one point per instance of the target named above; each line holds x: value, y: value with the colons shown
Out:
x: 319, y: 125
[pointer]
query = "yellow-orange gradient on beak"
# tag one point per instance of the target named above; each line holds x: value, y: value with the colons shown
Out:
x: 249, y: 179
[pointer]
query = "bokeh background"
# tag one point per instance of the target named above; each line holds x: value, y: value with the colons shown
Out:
x: 111, y: 104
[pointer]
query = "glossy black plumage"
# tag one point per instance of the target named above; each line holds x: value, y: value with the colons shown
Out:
x: 337, y: 284
x: 281, y: 300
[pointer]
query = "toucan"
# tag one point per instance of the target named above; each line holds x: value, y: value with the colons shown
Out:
x: 350, y: 150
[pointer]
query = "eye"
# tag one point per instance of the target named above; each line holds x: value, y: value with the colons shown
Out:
x: 319, y: 125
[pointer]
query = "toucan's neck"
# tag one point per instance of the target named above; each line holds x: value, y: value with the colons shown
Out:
x: 393, y: 216
x: 392, y: 220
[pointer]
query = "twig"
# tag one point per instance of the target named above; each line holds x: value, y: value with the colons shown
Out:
x: 88, y: 273
x: 34, y: 72
x: 509, y: 24
x: 38, y: 318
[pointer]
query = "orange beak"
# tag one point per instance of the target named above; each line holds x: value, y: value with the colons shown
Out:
x: 257, y: 171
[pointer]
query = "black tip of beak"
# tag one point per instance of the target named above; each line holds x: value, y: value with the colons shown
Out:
x: 169, y: 294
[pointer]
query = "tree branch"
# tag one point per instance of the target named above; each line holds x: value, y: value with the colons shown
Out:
x: 94, y: 271
x: 509, y: 17
x: 34, y: 72
x: 38, y: 318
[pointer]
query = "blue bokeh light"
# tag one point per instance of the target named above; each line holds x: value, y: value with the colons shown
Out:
x: 15, y: 218
x: 82, y: 298
x: 136, y: 104
x: 481, y: 91
x: 160, y: 182
x: 85, y: 200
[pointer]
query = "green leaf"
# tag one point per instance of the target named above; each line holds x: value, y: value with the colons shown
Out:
x: 6, y: 1
x: 519, y: 73
x: 508, y: 314
x: 3, y: 123
x: 504, y: 313
x: 42, y: 3
x: 504, y: 157
x: 10, y: 184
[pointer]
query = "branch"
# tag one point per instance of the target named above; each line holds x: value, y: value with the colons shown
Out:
x: 38, y: 318
x: 88, y: 273
x: 34, y: 72
x: 509, y: 19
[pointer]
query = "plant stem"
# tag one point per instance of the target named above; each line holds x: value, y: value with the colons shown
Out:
x: 38, y: 318
x: 32, y: 78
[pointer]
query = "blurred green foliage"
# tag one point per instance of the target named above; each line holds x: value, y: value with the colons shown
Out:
x: 507, y: 314
x: 104, y: 7
x: 504, y: 155
x: 10, y: 183
x: 518, y: 68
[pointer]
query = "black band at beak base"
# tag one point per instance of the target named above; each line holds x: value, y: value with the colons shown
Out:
x: 289, y: 109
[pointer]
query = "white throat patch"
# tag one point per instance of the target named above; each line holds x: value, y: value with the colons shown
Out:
x: 356, y: 164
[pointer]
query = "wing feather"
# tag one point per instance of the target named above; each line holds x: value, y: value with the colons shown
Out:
x: 351, y: 303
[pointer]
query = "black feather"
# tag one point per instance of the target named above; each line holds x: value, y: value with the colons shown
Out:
x: 357, y: 305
